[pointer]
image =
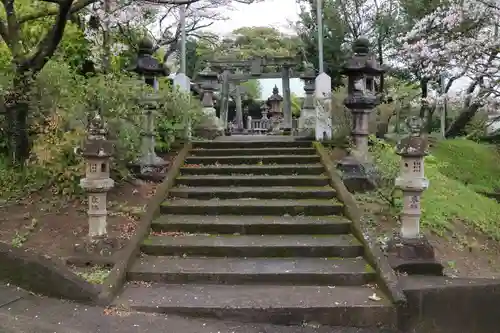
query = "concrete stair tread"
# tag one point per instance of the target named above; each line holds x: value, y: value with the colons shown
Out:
x: 328, y: 305
x: 252, y: 202
x: 254, y: 266
x: 252, y: 151
x: 250, y: 189
x: 249, y: 241
x: 256, y: 178
x: 252, y: 224
x: 252, y: 156
x: 253, y: 159
x: 256, y: 166
x: 250, y: 220
x: 253, y: 296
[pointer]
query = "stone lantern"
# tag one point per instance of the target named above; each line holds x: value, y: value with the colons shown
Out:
x: 361, y: 70
x: 150, y: 69
x: 97, y: 151
x: 274, y: 101
x: 307, y: 120
x: 411, y: 181
x: 409, y: 251
x: 147, y: 66
x: 211, y: 126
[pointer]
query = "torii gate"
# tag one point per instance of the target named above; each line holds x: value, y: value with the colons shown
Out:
x: 256, y: 69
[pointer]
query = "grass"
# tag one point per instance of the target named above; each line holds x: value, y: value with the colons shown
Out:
x: 476, y: 165
x: 455, y: 176
x: 95, y: 275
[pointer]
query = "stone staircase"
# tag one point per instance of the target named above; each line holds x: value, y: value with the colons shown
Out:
x: 253, y: 232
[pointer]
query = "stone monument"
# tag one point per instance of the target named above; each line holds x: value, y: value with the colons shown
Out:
x: 409, y: 251
x: 323, y: 96
x: 361, y: 70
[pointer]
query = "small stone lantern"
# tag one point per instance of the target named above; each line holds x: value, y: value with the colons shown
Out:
x: 211, y: 126
x: 411, y: 181
x: 150, y: 69
x: 361, y: 70
x: 97, y: 151
x: 409, y: 251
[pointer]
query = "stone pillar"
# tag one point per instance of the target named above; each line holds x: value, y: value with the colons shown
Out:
x: 287, y: 100
x: 307, y: 120
x: 249, y: 123
x: 97, y: 151
x: 239, y: 110
x: 409, y: 251
x: 361, y: 70
x: 224, y: 105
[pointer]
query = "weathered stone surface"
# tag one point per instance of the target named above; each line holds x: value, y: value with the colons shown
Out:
x: 253, y: 151
x: 254, y: 245
x: 252, y: 180
x: 342, y: 306
x: 43, y: 276
x: 252, y: 207
x: 295, y: 271
x: 282, y: 169
x: 280, y: 159
x: 262, y: 192
x: 247, y: 225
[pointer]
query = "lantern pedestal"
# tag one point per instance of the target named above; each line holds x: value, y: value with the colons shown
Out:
x: 413, y: 256
x: 94, y: 249
x: 355, y: 174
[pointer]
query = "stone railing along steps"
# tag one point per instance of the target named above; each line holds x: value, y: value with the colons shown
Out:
x: 253, y: 232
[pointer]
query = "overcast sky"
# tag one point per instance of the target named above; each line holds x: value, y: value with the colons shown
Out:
x: 270, y: 13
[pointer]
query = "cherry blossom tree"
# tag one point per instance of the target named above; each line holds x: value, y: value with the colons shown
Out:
x: 461, y: 39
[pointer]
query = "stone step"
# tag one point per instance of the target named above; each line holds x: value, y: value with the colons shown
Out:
x: 269, y: 169
x: 252, y: 207
x: 253, y: 245
x: 251, y: 180
x: 251, y: 144
x: 272, y: 192
x: 253, y: 151
x: 285, y: 305
x: 256, y: 225
x: 256, y: 160
x: 282, y: 271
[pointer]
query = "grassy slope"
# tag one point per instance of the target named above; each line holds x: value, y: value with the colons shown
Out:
x: 456, y: 169
x: 477, y: 165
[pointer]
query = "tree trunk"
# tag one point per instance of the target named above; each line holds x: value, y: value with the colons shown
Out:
x: 457, y: 127
x: 16, y: 117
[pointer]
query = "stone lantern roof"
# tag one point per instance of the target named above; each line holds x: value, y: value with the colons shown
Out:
x: 362, y: 62
x: 275, y: 97
x: 208, y: 76
x: 309, y: 72
x: 146, y: 64
x: 97, y: 145
x: 414, y: 145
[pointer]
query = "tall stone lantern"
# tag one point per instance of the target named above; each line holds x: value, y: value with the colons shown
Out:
x: 361, y: 70
x: 97, y: 151
x: 409, y: 251
x: 307, y: 120
x: 211, y: 126
x: 150, y: 69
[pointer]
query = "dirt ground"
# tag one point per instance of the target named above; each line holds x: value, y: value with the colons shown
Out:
x: 52, y: 225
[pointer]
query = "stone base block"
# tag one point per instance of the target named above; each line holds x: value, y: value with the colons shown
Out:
x: 98, y: 246
x: 355, y: 176
x: 413, y: 256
